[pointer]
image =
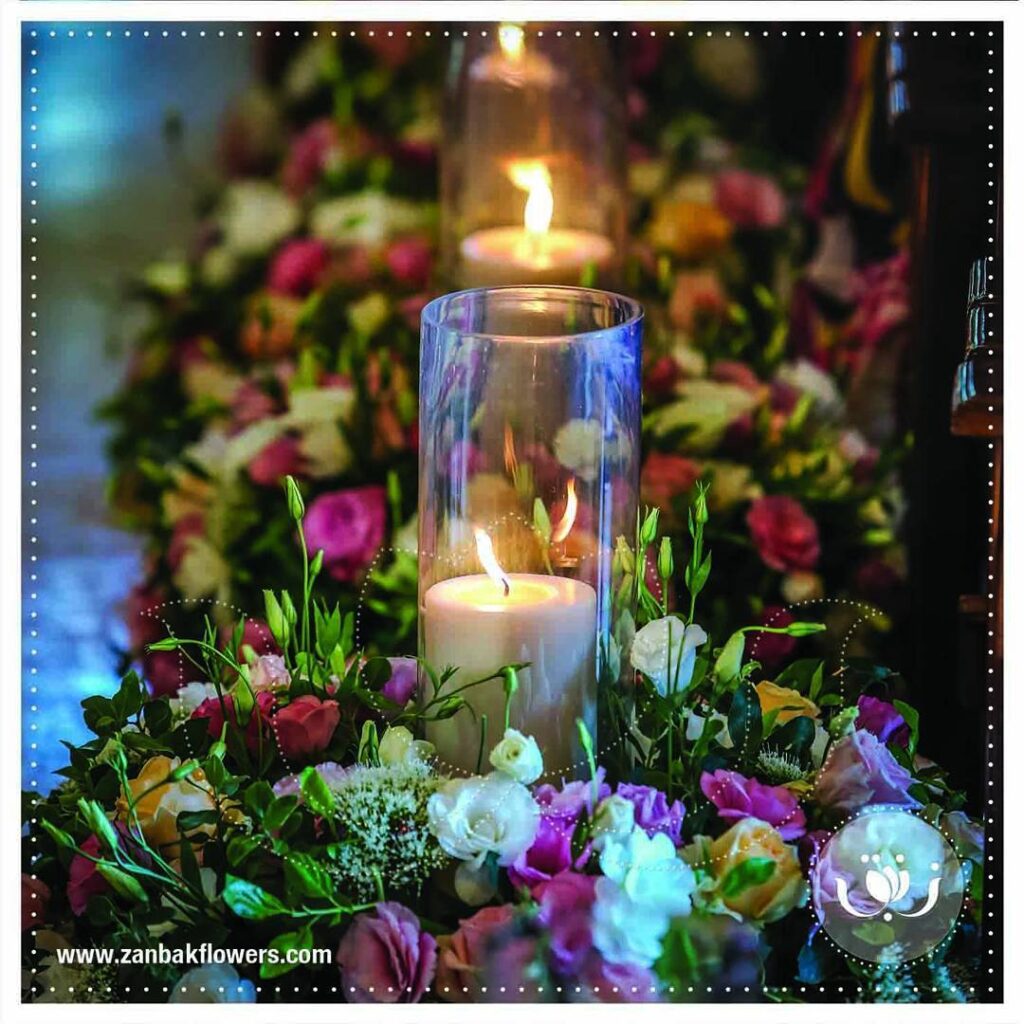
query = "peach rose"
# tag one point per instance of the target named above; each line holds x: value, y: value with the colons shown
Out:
x: 696, y: 294
x: 269, y: 330
x: 158, y: 806
x: 781, y: 892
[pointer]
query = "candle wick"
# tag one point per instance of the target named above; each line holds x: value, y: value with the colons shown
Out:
x: 508, y: 589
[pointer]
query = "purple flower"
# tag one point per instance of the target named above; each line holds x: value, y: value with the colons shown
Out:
x: 572, y: 798
x: 738, y: 797
x: 652, y: 811
x: 550, y: 853
x: 882, y: 719
x: 565, y: 905
x: 384, y: 957
x: 403, y: 682
x: 859, y: 771
x: 348, y: 526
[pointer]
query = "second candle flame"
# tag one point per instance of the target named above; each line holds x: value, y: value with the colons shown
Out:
x: 485, y: 552
x: 561, y: 531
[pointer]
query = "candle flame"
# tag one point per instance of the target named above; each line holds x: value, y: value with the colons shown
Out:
x: 485, y: 552
x: 533, y: 177
x: 510, y: 38
x: 511, y: 462
x: 561, y: 531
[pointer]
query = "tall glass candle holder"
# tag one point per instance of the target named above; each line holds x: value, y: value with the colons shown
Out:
x: 533, y: 185
x: 529, y: 471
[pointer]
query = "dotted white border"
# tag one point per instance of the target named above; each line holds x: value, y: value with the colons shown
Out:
x: 32, y: 481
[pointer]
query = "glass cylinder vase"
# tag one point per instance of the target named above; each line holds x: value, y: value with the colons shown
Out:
x: 528, y: 477
x: 533, y: 170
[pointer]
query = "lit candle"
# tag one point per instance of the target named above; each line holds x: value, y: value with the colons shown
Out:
x: 534, y: 253
x: 484, y: 621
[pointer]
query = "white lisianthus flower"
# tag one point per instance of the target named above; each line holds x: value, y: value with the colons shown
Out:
x: 650, y: 872
x: 808, y: 379
x: 704, y: 409
x: 518, y: 756
x: 369, y: 218
x: 580, y: 445
x: 255, y: 215
x: 324, y: 450
x: 189, y: 697
x: 613, y: 820
x: 645, y: 885
x: 399, y: 746
x: 213, y: 983
x: 472, y: 817
x: 665, y: 650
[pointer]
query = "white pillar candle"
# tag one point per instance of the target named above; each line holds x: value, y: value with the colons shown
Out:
x: 513, y: 255
x: 549, y: 621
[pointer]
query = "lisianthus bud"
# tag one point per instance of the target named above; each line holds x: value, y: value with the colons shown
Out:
x: 614, y: 819
x: 399, y: 746
x: 843, y: 723
x: 649, y: 529
x: 665, y: 561
x: 518, y: 756
x: 296, y: 506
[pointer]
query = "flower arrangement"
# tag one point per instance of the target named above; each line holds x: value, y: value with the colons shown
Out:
x: 285, y: 342
x: 280, y: 804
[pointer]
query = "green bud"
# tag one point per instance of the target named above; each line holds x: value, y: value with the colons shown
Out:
x: 511, y: 681
x: 122, y: 883
x: 665, y: 561
x: 184, y: 770
x: 291, y: 616
x: 275, y: 618
x: 624, y: 557
x: 700, y: 506
x: 842, y: 723
x: 805, y: 628
x: 296, y: 507
x: 730, y: 660
x: 317, y: 564
x: 649, y: 529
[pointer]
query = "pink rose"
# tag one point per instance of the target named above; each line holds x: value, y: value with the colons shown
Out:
x: 785, y: 536
x: 187, y: 527
x: 732, y: 371
x: 309, y: 155
x: 348, y: 526
x: 859, y: 771
x: 305, y: 726
x: 250, y: 404
x: 411, y: 307
x: 661, y: 377
x: 464, y: 954
x: 750, y: 200
x: 666, y: 477
x: 257, y: 729
x: 275, y: 461
x: 297, y: 266
x: 738, y: 797
x: 142, y: 611
x: 84, y: 881
x: 696, y: 294
x: 35, y: 898
x: 385, y: 957
x: 409, y: 260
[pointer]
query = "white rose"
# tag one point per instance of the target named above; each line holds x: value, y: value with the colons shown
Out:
x: 518, y: 756
x: 399, y: 746
x: 370, y: 218
x: 580, y: 445
x: 472, y: 817
x: 254, y: 216
x: 614, y: 819
x: 667, y: 646
x: 798, y: 587
x: 213, y: 983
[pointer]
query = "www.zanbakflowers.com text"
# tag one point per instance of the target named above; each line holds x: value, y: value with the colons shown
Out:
x: 189, y: 954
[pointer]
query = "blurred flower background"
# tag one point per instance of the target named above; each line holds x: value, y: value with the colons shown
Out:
x: 231, y: 266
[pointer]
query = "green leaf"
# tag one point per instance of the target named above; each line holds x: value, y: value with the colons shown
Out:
x: 189, y: 821
x: 306, y: 876
x: 744, y: 720
x: 279, y: 812
x: 122, y: 883
x: 258, y: 797
x: 250, y: 902
x: 302, y: 938
x: 745, y: 875
x: 316, y: 794
x: 541, y: 520
x: 912, y: 719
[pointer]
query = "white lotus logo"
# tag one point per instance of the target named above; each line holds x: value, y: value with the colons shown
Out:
x: 887, y: 886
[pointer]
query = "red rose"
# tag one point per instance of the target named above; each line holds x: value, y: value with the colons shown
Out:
x: 785, y: 536
x: 665, y: 477
x: 297, y: 266
x: 257, y: 729
x: 305, y: 726
x: 84, y: 881
x: 409, y: 260
x: 35, y: 897
x: 348, y: 526
x: 661, y: 376
x: 276, y: 460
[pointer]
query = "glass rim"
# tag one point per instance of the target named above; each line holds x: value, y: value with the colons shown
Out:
x: 431, y: 315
